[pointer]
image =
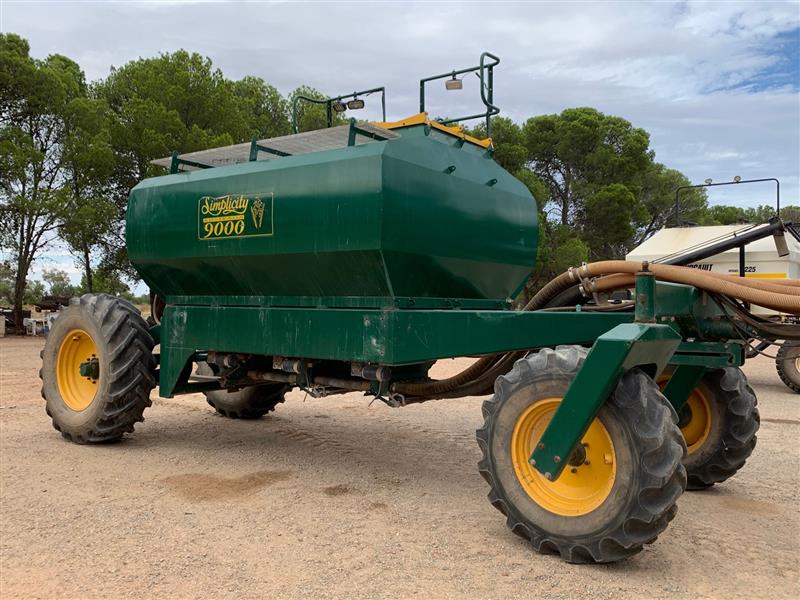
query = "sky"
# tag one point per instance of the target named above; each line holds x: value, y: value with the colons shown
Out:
x: 715, y: 83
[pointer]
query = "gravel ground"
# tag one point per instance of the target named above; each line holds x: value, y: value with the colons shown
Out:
x: 336, y: 498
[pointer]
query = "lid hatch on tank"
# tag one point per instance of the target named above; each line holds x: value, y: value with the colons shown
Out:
x: 277, y: 147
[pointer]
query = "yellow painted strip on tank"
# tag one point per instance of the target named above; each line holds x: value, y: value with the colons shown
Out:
x: 766, y: 275
x: 422, y: 119
x: 417, y: 119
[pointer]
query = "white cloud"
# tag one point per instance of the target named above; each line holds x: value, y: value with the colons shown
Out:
x: 667, y: 67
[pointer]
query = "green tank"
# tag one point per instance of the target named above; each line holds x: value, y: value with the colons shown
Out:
x: 351, y: 258
x: 408, y: 210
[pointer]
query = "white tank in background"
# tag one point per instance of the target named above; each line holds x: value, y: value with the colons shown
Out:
x: 761, y: 257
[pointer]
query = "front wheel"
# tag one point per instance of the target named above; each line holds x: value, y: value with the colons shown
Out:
x: 618, y: 491
x: 97, y: 369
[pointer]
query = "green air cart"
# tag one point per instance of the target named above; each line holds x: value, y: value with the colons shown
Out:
x: 353, y: 257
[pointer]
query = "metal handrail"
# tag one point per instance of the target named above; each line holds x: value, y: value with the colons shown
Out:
x: 485, y: 72
x: 734, y: 182
x: 328, y: 102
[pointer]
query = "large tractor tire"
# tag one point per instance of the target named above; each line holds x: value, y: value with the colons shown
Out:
x: 249, y: 403
x: 610, y: 501
x: 97, y: 369
x: 719, y: 423
x: 788, y: 364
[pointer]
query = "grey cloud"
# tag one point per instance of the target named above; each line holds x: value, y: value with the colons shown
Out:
x: 652, y: 63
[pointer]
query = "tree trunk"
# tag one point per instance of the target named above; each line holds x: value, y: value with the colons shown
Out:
x: 565, y: 199
x: 87, y: 268
x: 20, y: 283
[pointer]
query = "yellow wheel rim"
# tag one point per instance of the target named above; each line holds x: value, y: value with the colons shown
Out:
x: 696, y: 430
x: 76, y: 390
x: 584, y: 484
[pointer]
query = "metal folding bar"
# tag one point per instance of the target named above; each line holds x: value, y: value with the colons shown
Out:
x: 177, y: 161
x: 255, y: 148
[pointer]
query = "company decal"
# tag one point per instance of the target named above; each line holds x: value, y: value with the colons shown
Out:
x: 234, y: 216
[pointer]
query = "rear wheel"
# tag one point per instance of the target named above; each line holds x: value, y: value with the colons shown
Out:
x: 618, y: 491
x: 249, y: 403
x: 788, y: 364
x: 97, y: 369
x: 719, y: 423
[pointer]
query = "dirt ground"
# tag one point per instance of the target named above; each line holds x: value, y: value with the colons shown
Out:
x: 336, y: 498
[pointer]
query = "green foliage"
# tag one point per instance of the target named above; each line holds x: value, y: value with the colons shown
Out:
x: 107, y: 280
x: 511, y: 153
x: 731, y: 215
x: 658, y: 200
x: 559, y: 249
x: 608, y: 220
x: 58, y: 283
x: 6, y: 284
x: 263, y: 107
x: 34, y: 292
x: 581, y: 150
x: 34, y: 107
x: 174, y: 102
x: 311, y: 115
x: 89, y: 163
x: 791, y: 213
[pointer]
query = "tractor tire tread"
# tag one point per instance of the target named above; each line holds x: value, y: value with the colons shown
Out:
x: 739, y: 438
x: 130, y: 368
x: 663, y: 477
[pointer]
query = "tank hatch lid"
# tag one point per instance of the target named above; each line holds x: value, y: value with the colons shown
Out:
x: 277, y: 147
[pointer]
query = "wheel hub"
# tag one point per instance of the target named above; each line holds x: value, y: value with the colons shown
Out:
x: 77, y: 370
x: 578, y: 456
x: 582, y: 487
x: 695, y: 420
x: 90, y: 368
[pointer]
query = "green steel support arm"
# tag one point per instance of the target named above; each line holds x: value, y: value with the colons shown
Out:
x: 621, y: 349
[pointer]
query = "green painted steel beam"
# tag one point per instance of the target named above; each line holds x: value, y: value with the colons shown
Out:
x: 621, y: 349
x: 389, y: 337
x: 712, y: 355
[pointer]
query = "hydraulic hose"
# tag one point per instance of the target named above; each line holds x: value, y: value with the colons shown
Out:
x: 776, y: 294
x: 624, y: 281
x: 784, y: 301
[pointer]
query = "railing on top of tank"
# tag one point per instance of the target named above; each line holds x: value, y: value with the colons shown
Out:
x: 335, y: 104
x: 485, y: 72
